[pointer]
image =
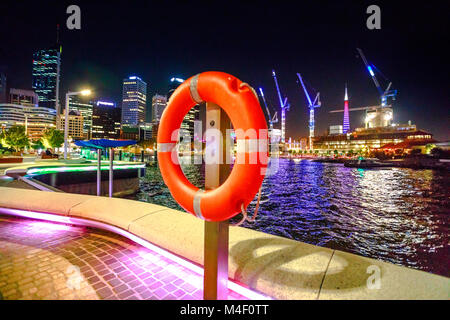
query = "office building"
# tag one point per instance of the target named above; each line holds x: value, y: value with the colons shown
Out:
x: 173, y: 84
x: 81, y: 106
x: 159, y: 103
x: 145, y: 132
x: 3, y: 86
x: 46, y: 73
x: 35, y: 119
x: 134, y: 100
x: 76, y: 125
x: 193, y: 115
x: 105, y: 120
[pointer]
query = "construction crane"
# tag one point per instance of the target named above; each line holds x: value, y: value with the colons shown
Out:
x: 284, y: 105
x: 352, y: 109
x: 384, y: 94
x: 273, y: 119
x: 312, y: 105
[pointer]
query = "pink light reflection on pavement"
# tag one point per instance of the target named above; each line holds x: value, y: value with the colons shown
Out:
x: 112, y: 265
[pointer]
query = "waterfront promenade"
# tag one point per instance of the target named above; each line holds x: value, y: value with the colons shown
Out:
x: 270, y: 265
x: 40, y: 260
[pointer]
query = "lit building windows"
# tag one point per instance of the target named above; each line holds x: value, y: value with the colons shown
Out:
x: 133, y: 101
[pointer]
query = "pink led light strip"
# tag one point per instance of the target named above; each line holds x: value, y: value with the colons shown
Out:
x: 238, y: 288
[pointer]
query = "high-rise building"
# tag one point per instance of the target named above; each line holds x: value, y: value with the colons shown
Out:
x: 159, y: 103
x: 3, y: 86
x: 85, y: 109
x: 76, y: 125
x: 134, y: 100
x: 173, y: 84
x: 145, y: 132
x: 46, y: 70
x: 105, y: 120
x: 193, y: 114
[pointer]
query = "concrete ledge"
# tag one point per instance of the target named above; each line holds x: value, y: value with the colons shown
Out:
x: 278, y: 267
x: 115, y: 211
x: 347, y: 276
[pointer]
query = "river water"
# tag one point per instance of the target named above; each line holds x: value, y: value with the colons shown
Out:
x: 397, y: 215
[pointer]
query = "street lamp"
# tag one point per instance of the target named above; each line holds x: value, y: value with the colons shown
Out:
x: 66, y: 120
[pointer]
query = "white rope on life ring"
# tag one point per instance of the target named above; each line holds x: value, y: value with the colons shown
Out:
x: 244, y: 212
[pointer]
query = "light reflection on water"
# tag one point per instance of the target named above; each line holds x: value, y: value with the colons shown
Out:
x: 396, y: 215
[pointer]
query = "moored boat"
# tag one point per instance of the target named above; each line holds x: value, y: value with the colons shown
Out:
x: 366, y: 163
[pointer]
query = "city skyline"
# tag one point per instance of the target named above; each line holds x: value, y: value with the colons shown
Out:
x: 270, y: 42
x: 224, y: 156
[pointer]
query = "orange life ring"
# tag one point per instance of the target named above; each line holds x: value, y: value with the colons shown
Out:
x: 242, y: 106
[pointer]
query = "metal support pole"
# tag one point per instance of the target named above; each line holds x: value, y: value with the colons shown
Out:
x: 57, y: 105
x: 99, y: 172
x: 215, y: 285
x: 66, y: 127
x: 111, y: 158
x: 120, y: 155
x: 142, y: 155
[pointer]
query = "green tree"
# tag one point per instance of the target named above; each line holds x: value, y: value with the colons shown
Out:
x: 52, y: 138
x: 429, y: 147
x: 37, y: 144
x: 15, y: 137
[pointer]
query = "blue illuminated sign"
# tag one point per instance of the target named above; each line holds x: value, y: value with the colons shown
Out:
x: 103, y: 103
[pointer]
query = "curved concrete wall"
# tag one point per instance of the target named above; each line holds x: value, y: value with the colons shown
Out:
x: 278, y: 267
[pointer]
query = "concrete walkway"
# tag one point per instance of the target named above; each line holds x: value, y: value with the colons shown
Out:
x: 41, y: 260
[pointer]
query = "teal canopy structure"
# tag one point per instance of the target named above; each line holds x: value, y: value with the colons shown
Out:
x: 104, y: 143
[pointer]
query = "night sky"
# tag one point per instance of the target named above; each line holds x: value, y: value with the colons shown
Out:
x: 319, y: 39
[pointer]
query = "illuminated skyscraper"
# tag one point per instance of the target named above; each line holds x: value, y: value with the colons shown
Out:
x: 80, y: 106
x: 45, y: 81
x: 159, y: 103
x: 105, y: 121
x: 346, y: 124
x: 3, y: 87
x: 173, y: 84
x: 193, y: 114
x: 134, y: 99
